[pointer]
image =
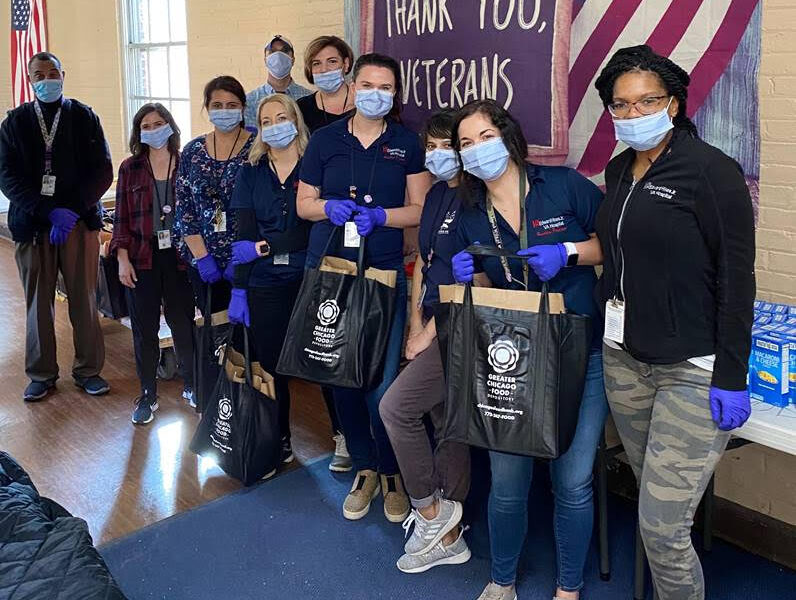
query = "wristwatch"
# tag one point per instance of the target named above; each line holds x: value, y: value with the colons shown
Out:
x: 264, y: 248
x: 572, y: 254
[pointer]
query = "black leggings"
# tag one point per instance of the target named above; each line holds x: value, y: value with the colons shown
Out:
x: 270, y: 309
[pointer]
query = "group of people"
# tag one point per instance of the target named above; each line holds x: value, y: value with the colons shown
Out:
x: 233, y: 220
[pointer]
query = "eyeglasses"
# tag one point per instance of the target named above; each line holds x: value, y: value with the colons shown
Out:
x: 645, y: 106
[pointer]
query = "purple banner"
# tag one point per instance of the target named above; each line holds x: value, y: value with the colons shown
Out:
x: 452, y: 53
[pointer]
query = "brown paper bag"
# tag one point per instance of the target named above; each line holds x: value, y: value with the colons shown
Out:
x: 334, y: 264
x: 506, y: 299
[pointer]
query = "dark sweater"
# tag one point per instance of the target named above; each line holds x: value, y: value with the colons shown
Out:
x: 688, y: 243
x: 81, y: 164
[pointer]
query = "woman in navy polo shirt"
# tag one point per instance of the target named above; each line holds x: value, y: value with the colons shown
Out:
x: 205, y: 180
x: 271, y: 243
x: 369, y: 169
x: 437, y: 479
x: 554, y: 208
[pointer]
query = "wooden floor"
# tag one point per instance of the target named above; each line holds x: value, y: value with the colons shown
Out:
x: 85, y: 453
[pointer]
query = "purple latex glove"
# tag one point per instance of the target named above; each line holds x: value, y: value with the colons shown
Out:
x: 463, y: 267
x: 229, y: 272
x: 244, y: 252
x: 729, y: 409
x: 369, y: 218
x: 238, y: 310
x: 58, y: 235
x: 208, y: 269
x: 339, y: 211
x: 546, y: 261
x: 63, y: 218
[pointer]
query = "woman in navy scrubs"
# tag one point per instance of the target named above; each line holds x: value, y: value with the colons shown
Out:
x: 546, y: 214
x: 437, y: 478
x: 271, y: 244
x: 369, y: 169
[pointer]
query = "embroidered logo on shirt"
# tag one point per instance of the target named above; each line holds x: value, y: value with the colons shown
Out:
x: 393, y: 153
x: 660, y: 190
x: 445, y: 228
x: 549, y: 226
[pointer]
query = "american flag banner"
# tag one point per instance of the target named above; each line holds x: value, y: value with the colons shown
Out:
x: 716, y: 41
x: 28, y: 36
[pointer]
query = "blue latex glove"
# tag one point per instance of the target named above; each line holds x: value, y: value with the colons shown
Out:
x: 546, y: 261
x: 729, y: 409
x: 208, y: 269
x: 239, y: 307
x: 63, y: 218
x: 229, y: 272
x: 63, y: 222
x: 369, y: 218
x: 339, y: 211
x: 244, y: 252
x: 58, y: 235
x: 463, y: 267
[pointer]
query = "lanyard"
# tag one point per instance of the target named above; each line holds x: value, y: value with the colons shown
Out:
x: 442, y: 210
x: 165, y: 203
x: 490, y: 211
x: 352, y: 189
x: 49, y: 136
x: 217, y: 182
x: 283, y: 186
x: 345, y: 103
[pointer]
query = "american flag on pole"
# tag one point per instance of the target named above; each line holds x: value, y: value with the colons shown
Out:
x: 702, y: 36
x: 28, y: 36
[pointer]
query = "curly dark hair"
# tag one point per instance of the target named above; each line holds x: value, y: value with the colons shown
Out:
x: 643, y: 58
x: 510, y: 130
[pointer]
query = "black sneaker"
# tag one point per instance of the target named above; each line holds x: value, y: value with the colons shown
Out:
x: 287, y: 451
x: 37, y: 390
x: 145, y: 407
x: 94, y: 386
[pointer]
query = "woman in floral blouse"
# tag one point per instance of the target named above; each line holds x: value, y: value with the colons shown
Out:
x: 203, y: 226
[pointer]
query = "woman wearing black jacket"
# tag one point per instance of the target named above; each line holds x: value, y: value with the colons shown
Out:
x: 678, y: 287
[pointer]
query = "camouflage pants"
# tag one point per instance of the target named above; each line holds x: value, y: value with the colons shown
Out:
x: 663, y: 417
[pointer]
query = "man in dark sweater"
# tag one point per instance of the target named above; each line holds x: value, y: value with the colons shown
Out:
x: 54, y: 168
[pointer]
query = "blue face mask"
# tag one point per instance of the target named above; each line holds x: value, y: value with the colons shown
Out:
x: 279, y: 64
x: 226, y: 119
x: 443, y: 163
x: 48, y: 90
x: 280, y: 135
x: 487, y: 160
x: 373, y: 104
x: 156, y: 138
x: 644, y: 133
x: 330, y: 81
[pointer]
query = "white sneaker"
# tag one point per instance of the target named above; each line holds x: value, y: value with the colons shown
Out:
x: 341, y: 461
x: 456, y: 554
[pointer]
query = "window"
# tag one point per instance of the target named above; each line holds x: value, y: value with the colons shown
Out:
x: 157, y: 58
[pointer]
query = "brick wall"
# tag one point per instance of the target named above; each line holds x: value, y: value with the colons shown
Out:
x: 756, y: 477
x: 219, y: 44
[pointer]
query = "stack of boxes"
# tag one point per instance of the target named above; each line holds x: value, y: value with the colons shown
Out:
x: 772, y: 362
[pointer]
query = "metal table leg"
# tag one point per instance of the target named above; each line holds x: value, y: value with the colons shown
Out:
x: 602, y: 511
x: 639, y: 592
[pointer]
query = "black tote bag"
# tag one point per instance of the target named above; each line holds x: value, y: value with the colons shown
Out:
x: 340, y: 323
x: 111, y: 299
x: 211, y: 335
x: 515, y: 377
x: 239, y: 429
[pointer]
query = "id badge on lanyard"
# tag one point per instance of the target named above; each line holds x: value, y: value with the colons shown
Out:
x: 490, y: 211
x: 48, y: 179
x: 615, y: 308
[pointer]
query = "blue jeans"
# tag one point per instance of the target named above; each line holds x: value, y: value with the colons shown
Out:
x: 571, y: 475
x: 358, y: 410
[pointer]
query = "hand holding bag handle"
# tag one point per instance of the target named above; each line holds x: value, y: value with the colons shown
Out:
x: 360, y: 254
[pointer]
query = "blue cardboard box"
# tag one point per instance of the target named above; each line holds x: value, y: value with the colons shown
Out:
x: 767, y: 307
x: 762, y: 318
x: 769, y: 369
x: 758, y: 304
x: 780, y: 309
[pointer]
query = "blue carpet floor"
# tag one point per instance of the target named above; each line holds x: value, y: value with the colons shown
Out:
x: 287, y: 538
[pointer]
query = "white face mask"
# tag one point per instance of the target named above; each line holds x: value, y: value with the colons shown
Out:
x: 644, y: 133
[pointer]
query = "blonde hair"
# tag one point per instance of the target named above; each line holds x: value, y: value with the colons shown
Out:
x: 259, y: 147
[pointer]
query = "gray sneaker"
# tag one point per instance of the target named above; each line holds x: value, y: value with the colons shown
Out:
x: 494, y: 591
x: 341, y: 460
x: 456, y: 554
x: 428, y: 534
